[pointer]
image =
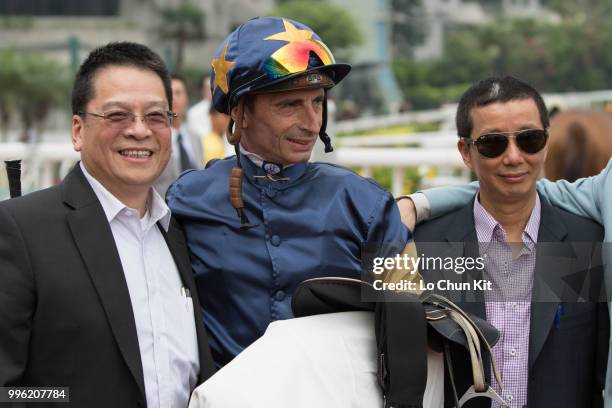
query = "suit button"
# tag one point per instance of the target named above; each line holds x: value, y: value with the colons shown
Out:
x: 275, y: 240
x: 279, y: 296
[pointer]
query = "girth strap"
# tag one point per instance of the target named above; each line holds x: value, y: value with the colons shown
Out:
x: 402, y: 378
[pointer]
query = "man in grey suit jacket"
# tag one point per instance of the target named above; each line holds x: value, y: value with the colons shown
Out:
x: 553, y: 349
x: 186, y: 146
x: 96, y: 290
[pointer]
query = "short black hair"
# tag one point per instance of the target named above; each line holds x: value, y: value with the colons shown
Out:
x: 492, y: 90
x: 178, y: 77
x: 116, y: 53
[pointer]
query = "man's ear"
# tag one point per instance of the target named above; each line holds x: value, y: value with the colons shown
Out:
x: 77, y: 132
x: 464, y: 150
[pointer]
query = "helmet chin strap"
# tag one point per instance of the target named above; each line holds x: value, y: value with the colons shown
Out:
x: 234, y: 132
x: 322, y: 133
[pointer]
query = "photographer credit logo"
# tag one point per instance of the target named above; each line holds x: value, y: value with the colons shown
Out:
x: 411, y: 265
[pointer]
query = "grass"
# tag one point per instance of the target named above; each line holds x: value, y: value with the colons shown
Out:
x: 395, y: 130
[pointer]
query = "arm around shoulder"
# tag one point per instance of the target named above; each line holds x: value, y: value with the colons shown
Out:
x: 584, y: 197
x: 443, y: 200
x: 434, y: 202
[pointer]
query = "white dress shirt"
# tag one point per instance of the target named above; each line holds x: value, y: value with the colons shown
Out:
x: 163, y: 313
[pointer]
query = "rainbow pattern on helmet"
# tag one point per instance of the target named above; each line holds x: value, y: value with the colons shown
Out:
x: 297, y: 57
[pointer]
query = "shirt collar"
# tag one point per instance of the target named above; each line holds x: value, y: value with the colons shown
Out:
x: 158, y: 210
x: 533, y: 225
x: 256, y: 159
x: 112, y: 206
x: 486, y: 225
x: 484, y: 222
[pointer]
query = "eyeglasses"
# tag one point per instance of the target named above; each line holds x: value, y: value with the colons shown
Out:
x: 158, y: 120
x: 492, y: 145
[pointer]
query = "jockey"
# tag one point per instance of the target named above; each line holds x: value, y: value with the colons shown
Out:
x: 296, y: 219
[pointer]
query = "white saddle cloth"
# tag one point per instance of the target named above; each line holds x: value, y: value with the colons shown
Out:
x: 316, y: 361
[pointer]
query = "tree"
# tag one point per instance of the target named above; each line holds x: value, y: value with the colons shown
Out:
x: 572, y: 55
x: 407, y: 25
x: 581, y: 10
x: 182, y: 24
x: 332, y: 23
x: 30, y: 85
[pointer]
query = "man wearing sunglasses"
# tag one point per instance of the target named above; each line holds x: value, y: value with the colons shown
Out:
x: 501, y: 123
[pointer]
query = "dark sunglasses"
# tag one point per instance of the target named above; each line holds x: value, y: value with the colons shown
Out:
x: 492, y: 145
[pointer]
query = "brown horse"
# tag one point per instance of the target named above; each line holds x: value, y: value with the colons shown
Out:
x: 580, y: 144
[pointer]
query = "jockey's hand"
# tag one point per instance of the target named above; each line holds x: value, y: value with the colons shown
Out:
x: 407, y: 212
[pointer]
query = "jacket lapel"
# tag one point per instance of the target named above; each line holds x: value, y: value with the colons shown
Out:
x: 175, y: 239
x: 552, y: 229
x: 463, y: 230
x: 94, y: 240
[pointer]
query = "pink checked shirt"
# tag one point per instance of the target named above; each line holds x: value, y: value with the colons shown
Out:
x: 508, y: 304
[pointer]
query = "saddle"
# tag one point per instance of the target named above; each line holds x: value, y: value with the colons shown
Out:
x: 405, y: 326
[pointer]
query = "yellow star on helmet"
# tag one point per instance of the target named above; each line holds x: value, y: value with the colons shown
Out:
x: 291, y: 33
x: 221, y: 66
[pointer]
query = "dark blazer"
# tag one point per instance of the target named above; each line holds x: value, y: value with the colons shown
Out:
x: 567, y: 351
x: 65, y: 312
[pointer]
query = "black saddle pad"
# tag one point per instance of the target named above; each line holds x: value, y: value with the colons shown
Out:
x: 334, y: 295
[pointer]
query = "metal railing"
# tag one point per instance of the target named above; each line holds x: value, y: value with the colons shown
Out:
x: 48, y: 162
x: 433, y: 154
x: 45, y: 164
